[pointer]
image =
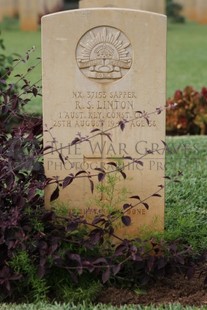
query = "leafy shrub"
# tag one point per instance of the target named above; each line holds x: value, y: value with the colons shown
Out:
x: 5, y: 65
x: 173, y: 11
x: 45, y: 254
x: 190, y: 115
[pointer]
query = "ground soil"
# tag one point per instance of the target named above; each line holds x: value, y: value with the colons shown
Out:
x: 176, y: 289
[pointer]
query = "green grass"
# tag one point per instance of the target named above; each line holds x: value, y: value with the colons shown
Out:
x: 186, y: 202
x: 186, y: 54
x: 19, y: 42
x: 43, y: 306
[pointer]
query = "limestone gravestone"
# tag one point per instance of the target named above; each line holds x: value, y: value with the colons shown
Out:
x: 43, y: 7
x: 2, y: 9
x: 194, y: 10
x: 202, y: 11
x: 7, y: 8
x: 109, y: 68
x: 188, y: 8
x: 157, y: 6
x: 54, y: 5
x: 29, y: 14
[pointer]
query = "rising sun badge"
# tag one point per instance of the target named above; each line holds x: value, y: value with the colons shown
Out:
x: 104, y: 53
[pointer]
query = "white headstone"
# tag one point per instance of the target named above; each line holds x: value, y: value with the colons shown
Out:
x: 111, y: 66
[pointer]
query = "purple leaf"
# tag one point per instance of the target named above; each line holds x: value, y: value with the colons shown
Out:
x: 121, y: 249
x: 30, y: 68
x: 88, y: 265
x: 80, y: 172
x: 55, y: 194
x: 123, y: 174
x: 68, y: 180
x: 108, y: 135
x: 76, y: 258
x: 61, y: 158
x: 126, y: 206
x: 116, y: 269
x: 156, y: 195
x: 135, y: 197
x: 128, y: 157
x: 75, y: 141
x: 91, y: 186
x: 72, y: 226
x: 106, y: 275
x: 24, y: 86
x: 139, y: 162
x: 47, y: 148
x: 146, y: 205
x: 165, y: 144
x: 95, y: 129
x: 147, y: 120
x: 96, y: 236
x: 159, y: 110
x: 100, y: 260
x: 98, y: 220
x: 122, y: 125
x: 101, y: 176
x: 112, y: 164
x: 126, y: 220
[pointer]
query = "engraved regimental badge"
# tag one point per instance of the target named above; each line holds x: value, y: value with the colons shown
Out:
x: 104, y: 53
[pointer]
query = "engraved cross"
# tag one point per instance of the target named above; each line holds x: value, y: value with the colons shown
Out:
x: 101, y: 158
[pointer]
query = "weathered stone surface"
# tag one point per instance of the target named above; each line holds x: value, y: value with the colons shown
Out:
x: 110, y: 67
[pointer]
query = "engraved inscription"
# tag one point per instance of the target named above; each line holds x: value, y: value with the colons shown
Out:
x: 100, y: 108
x: 104, y: 53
